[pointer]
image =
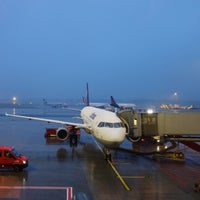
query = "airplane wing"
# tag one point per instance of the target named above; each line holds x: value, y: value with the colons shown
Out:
x: 77, y: 125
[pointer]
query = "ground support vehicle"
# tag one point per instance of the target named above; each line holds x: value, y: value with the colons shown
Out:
x: 169, y: 156
x: 11, y: 159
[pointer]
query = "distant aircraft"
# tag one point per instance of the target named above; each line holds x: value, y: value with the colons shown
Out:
x: 177, y: 107
x: 106, y: 127
x: 121, y: 106
x: 54, y: 105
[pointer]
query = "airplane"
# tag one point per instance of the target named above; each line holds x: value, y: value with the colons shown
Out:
x: 54, y: 105
x: 121, y: 106
x: 105, y: 126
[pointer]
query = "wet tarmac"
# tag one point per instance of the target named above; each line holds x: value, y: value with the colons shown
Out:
x: 54, y: 167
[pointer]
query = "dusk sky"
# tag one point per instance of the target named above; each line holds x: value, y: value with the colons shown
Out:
x: 131, y: 49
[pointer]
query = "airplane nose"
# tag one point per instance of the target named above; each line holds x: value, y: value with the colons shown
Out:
x: 116, y: 135
x: 110, y: 137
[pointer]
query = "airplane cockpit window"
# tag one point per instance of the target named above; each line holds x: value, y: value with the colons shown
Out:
x: 110, y: 125
x: 117, y: 125
x: 101, y: 124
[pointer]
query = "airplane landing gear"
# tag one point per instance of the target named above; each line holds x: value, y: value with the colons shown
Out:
x: 107, y: 153
x: 73, y: 140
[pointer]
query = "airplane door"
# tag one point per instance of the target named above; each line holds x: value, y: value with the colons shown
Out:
x: 132, y: 122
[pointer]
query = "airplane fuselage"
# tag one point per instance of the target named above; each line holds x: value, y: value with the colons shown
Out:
x: 105, y: 126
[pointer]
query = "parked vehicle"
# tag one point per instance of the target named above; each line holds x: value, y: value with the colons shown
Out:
x: 11, y: 159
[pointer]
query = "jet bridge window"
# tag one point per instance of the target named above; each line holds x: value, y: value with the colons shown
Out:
x: 110, y: 125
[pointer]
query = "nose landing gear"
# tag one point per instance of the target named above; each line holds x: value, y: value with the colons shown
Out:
x: 107, y: 154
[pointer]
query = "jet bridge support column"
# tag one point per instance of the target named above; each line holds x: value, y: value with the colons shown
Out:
x: 132, y: 122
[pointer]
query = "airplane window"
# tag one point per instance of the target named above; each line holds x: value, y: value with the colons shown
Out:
x: 118, y: 125
x: 110, y: 125
x: 101, y: 124
x: 107, y: 124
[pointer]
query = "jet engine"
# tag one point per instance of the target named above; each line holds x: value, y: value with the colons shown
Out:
x: 62, y: 134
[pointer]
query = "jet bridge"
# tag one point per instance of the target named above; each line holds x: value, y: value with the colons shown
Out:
x: 176, y: 126
x: 132, y: 121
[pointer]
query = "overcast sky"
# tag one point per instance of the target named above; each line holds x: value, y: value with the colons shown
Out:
x: 130, y: 49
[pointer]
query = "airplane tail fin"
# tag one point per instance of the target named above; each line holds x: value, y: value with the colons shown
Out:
x: 86, y: 101
x: 113, y: 102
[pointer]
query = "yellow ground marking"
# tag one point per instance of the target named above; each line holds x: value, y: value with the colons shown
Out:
x: 119, y: 176
x: 115, y: 170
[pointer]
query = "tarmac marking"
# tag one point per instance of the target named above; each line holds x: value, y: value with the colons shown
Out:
x: 115, y: 170
x: 177, y: 179
x: 119, y: 176
x: 68, y: 189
